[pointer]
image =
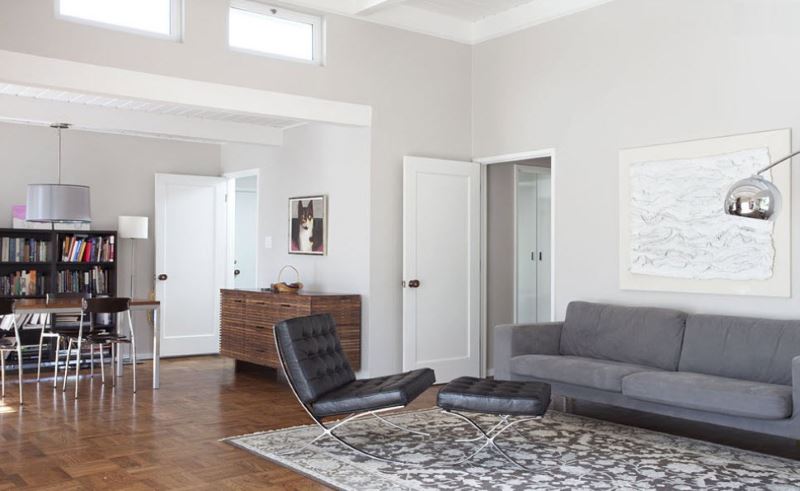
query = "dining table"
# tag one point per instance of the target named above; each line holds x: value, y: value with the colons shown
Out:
x: 75, y: 306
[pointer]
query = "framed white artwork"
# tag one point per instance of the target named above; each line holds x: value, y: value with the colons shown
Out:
x: 674, y: 233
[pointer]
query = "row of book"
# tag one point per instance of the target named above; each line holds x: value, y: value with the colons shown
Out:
x: 23, y: 284
x: 22, y: 250
x: 94, y: 281
x: 76, y: 249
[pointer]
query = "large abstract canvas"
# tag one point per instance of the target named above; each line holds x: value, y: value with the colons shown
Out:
x: 675, y: 235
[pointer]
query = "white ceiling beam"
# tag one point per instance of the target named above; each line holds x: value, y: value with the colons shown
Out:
x: 37, y: 71
x: 26, y: 110
x: 366, y: 7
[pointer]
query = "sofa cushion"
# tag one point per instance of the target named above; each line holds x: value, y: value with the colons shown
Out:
x: 740, y: 347
x: 637, y: 335
x: 586, y: 372
x: 711, y: 393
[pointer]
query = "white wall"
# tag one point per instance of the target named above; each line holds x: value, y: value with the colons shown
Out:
x: 632, y: 73
x: 120, y: 171
x: 417, y: 85
x: 316, y: 159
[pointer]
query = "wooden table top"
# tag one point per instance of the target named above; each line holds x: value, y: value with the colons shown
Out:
x: 71, y: 303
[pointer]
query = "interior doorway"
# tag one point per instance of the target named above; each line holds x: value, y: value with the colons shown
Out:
x: 242, y: 206
x: 517, y: 243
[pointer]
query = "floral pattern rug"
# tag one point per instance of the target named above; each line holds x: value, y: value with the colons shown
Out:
x: 564, y: 451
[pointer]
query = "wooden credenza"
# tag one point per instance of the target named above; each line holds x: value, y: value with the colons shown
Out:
x: 249, y: 316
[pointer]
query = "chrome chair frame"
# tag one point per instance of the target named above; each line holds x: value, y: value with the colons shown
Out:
x: 114, y: 347
x: 329, y: 431
x: 5, y: 350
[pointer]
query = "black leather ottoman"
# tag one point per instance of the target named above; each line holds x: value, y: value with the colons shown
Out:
x: 513, y: 402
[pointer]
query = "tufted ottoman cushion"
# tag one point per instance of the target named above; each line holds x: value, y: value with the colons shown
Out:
x: 499, y: 397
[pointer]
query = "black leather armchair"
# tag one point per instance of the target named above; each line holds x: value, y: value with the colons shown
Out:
x: 323, y: 381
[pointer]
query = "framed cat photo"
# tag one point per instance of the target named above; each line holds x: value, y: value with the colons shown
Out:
x: 308, y: 225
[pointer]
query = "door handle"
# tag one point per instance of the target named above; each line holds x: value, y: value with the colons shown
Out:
x: 162, y: 277
x: 236, y: 272
x: 413, y: 284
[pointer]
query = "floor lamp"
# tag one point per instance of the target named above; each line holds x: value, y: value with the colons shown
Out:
x: 134, y: 228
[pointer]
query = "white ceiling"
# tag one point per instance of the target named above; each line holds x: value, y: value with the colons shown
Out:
x: 468, y: 10
x: 465, y: 21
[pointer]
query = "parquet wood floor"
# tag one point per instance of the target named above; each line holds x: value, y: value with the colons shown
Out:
x: 168, y: 439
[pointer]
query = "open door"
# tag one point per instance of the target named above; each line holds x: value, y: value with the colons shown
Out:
x: 441, y: 267
x: 191, y: 229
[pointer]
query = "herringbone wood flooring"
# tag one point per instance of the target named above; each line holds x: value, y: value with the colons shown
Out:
x: 169, y: 439
x: 165, y: 439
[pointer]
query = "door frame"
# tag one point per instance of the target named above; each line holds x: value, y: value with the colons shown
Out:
x: 510, y: 159
x: 230, y: 210
x: 530, y: 170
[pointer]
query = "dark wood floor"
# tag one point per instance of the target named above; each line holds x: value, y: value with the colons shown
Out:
x: 168, y: 439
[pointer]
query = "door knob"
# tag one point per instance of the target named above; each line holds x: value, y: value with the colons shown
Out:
x: 236, y: 272
x: 413, y: 284
x: 162, y: 277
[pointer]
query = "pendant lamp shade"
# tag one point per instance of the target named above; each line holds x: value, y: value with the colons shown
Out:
x: 58, y: 203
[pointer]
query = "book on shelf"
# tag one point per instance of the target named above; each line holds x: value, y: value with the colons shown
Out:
x: 23, y: 284
x: 94, y: 281
x: 23, y: 250
x: 95, y: 249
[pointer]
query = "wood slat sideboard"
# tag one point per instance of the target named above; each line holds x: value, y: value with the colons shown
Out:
x: 247, y: 319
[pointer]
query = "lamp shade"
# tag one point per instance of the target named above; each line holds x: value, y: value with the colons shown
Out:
x: 132, y: 227
x: 753, y: 197
x: 63, y: 203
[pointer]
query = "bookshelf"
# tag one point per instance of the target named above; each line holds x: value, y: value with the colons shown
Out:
x: 36, y: 262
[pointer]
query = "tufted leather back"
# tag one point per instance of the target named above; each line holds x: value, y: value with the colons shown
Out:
x: 313, y: 357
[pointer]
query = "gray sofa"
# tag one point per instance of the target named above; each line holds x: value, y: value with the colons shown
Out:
x: 731, y: 371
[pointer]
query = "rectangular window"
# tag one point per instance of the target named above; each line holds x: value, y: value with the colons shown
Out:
x: 160, y: 18
x: 257, y: 28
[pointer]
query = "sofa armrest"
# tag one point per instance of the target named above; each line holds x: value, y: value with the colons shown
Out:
x: 796, y: 387
x: 523, y: 339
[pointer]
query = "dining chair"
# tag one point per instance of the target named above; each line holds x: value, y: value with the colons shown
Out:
x: 94, y: 334
x: 9, y: 344
x: 58, y: 327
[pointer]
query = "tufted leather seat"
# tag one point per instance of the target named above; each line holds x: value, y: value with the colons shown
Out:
x: 495, y: 397
x: 323, y: 379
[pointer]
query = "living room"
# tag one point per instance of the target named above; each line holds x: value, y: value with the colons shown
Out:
x: 379, y: 125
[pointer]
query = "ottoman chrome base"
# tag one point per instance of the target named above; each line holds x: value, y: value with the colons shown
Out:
x: 513, y: 402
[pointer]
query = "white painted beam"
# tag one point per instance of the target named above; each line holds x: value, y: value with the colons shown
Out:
x: 107, y: 120
x: 37, y: 71
x: 366, y: 7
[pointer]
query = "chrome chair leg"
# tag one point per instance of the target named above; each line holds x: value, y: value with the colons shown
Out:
x: 39, y: 360
x: 399, y: 427
x: 133, y: 350
x: 66, y: 366
x: 91, y: 363
x: 77, y: 367
x: 102, y: 365
x: 19, y: 371
x: 3, y: 369
x: 58, y: 359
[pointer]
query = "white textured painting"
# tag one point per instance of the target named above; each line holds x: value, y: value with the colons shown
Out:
x: 673, y: 232
x: 679, y: 228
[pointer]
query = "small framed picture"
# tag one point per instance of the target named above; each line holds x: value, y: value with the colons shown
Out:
x: 308, y: 225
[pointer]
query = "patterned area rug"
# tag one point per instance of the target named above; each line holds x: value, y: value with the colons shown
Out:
x: 565, y: 451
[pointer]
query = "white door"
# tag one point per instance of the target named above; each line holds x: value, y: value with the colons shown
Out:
x: 245, y: 238
x: 441, y: 267
x: 543, y: 239
x: 190, y: 261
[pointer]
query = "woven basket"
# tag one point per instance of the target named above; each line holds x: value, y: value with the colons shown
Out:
x: 283, y: 287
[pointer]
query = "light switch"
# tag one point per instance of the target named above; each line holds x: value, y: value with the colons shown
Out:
x: 268, y: 242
